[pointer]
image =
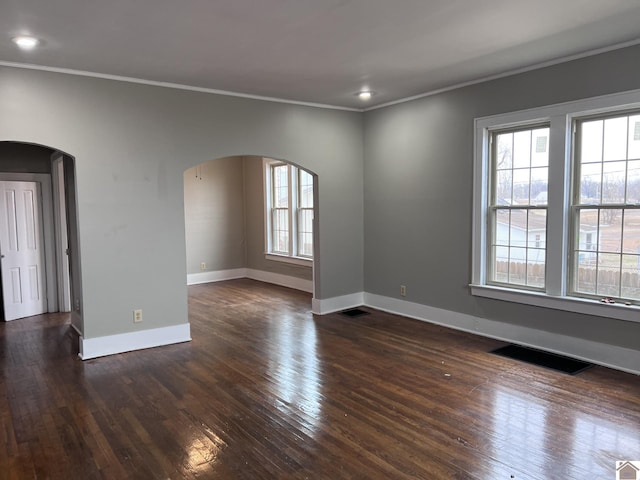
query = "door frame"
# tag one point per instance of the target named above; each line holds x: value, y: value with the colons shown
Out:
x: 44, y: 179
x: 61, y: 238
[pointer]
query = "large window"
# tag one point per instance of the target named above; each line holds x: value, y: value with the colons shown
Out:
x: 288, y: 212
x: 606, y: 208
x: 518, y: 207
x: 557, y: 206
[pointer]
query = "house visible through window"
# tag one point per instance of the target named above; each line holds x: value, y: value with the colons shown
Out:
x: 517, y: 208
x: 288, y: 212
x: 557, y: 206
x: 606, y: 207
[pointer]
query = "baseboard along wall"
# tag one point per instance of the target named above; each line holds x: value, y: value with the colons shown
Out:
x: 612, y: 356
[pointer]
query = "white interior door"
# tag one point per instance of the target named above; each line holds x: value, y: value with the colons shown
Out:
x: 21, y: 248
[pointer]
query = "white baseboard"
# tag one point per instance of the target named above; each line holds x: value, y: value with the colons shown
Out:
x: 279, y: 279
x: 268, y: 277
x: 127, y: 342
x: 217, y: 276
x: 612, y: 356
x: 335, y: 304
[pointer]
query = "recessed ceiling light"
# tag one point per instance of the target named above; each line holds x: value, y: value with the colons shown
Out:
x: 365, y: 95
x: 26, y: 42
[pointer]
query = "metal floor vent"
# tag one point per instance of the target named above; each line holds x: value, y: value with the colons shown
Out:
x: 354, y: 312
x: 543, y: 359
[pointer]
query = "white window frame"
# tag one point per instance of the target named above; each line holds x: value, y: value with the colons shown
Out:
x: 293, y: 256
x: 560, y: 118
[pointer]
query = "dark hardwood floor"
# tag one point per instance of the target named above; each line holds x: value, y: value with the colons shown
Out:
x: 268, y: 391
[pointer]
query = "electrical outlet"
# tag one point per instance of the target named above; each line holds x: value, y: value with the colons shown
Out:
x: 137, y: 316
x: 203, y: 266
x: 403, y: 291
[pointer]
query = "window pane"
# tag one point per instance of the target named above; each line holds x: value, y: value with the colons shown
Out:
x: 521, y: 181
x: 539, y: 185
x: 535, y: 267
x: 631, y: 277
x: 613, y: 182
x: 522, y: 149
x: 537, y: 228
x: 590, y: 183
x: 504, y: 188
x: 586, y: 255
x: 540, y: 148
x: 517, y: 265
x: 305, y: 233
x: 633, y: 182
x: 500, y: 265
x: 608, y: 274
x: 503, y: 220
x: 281, y: 186
x: 615, y: 139
x: 588, y: 230
x: 518, y: 229
x: 305, y: 189
x: 634, y: 137
x: 585, y: 273
x: 504, y: 152
x: 610, y: 230
x: 631, y: 240
x: 591, y: 141
x: 280, y: 227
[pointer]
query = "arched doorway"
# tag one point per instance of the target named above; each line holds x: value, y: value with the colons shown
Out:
x: 52, y: 173
x: 227, y: 223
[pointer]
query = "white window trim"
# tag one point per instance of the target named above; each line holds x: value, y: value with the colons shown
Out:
x: 560, y: 118
x: 293, y: 208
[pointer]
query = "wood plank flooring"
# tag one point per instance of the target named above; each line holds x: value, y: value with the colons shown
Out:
x: 268, y: 391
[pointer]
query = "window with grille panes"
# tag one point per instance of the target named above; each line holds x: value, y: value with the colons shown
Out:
x: 517, y: 211
x: 556, y: 217
x: 605, y: 254
x: 289, y: 212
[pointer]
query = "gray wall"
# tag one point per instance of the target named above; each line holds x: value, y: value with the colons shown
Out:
x: 132, y: 144
x: 418, y: 191
x: 214, y: 215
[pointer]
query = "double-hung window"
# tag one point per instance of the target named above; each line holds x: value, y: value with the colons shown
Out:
x: 517, y: 210
x: 557, y: 206
x: 606, y: 207
x: 288, y: 212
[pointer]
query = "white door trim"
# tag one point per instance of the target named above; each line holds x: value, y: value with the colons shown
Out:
x: 44, y: 179
x: 60, y: 224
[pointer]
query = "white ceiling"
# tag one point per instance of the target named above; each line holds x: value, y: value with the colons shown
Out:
x: 317, y: 51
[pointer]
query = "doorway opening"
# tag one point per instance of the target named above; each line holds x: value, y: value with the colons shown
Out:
x: 39, y: 255
x: 228, y: 211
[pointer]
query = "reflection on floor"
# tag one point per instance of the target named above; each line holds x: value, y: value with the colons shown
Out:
x: 268, y: 391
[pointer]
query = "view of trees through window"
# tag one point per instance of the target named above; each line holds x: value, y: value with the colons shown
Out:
x: 518, y: 207
x: 607, y: 205
x: 604, y: 215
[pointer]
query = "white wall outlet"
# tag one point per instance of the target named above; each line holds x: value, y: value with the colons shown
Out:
x: 203, y: 266
x: 137, y: 316
x: 403, y: 291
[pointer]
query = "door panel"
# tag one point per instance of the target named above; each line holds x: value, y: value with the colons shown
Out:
x: 22, y: 250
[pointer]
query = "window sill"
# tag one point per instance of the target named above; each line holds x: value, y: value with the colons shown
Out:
x: 306, y: 262
x: 630, y: 313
